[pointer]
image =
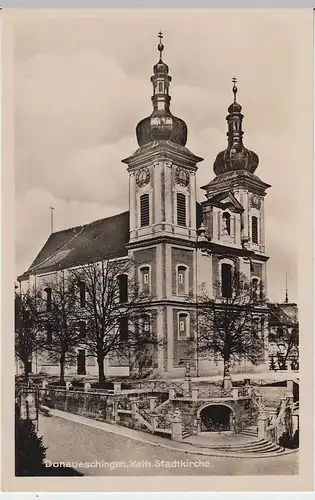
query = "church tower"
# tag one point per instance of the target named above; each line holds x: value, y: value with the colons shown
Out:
x: 233, y: 214
x: 163, y: 220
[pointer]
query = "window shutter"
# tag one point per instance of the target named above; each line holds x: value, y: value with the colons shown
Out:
x: 254, y: 229
x: 181, y: 209
x: 144, y: 210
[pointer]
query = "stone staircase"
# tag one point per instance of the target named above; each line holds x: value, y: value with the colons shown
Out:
x: 250, y: 431
x: 245, y: 444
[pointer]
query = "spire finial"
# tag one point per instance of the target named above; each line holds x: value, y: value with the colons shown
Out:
x: 160, y: 46
x: 286, y: 288
x: 234, y: 89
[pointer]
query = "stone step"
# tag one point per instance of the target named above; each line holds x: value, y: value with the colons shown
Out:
x: 258, y: 448
x: 249, y: 433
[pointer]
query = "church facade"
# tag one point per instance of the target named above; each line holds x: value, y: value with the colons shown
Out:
x: 181, y: 247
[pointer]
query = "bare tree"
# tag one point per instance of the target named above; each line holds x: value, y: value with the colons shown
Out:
x: 112, y: 305
x: 27, y: 326
x: 60, y: 332
x: 230, y: 325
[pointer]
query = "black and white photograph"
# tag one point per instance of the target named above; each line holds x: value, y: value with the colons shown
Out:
x: 157, y: 292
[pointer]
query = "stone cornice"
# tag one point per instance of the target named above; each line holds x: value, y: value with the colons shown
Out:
x: 163, y: 151
x: 236, y: 180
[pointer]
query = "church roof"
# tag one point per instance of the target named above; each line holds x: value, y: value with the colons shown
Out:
x: 283, y: 314
x: 100, y: 239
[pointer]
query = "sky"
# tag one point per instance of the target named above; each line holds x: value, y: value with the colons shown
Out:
x: 82, y: 83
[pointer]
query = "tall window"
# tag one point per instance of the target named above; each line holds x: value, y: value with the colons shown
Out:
x: 181, y: 209
x: 182, y: 280
x: 254, y: 229
x: 82, y: 293
x: 123, y: 329
x: 226, y: 223
x: 145, y: 279
x: 226, y: 280
x: 182, y: 326
x: 49, y: 333
x: 82, y: 329
x: 144, y: 210
x: 48, y: 299
x: 123, y: 287
x: 255, y: 287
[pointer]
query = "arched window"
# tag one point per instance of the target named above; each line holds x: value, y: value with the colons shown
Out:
x: 226, y: 223
x: 82, y: 293
x: 254, y: 229
x: 144, y: 210
x: 183, y: 326
x: 145, y: 323
x: 226, y: 280
x: 82, y: 329
x: 122, y: 280
x: 181, y: 209
x: 123, y: 329
x: 48, y: 299
x: 160, y: 87
x: 145, y: 284
x: 182, y: 280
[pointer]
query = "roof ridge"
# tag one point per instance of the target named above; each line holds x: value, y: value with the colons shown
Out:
x: 89, y: 223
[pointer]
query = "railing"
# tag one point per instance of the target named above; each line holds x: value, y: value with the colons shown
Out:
x: 210, y: 393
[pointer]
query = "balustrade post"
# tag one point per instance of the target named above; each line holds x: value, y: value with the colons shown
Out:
x: 171, y: 393
x: 44, y: 384
x: 235, y: 393
x: 289, y: 391
x: 87, y: 386
x: 177, y: 431
x: 187, y: 385
x: 262, y: 422
x: 153, y: 419
x: 152, y: 402
x: 68, y: 385
x: 134, y: 406
x: 117, y: 387
x: 194, y: 393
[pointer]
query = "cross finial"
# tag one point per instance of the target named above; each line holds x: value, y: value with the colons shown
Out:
x: 160, y: 46
x: 234, y: 89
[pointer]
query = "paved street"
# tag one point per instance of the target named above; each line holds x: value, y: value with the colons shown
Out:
x: 69, y: 441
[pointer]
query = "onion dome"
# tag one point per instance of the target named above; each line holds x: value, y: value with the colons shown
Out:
x: 235, y: 156
x: 161, y: 125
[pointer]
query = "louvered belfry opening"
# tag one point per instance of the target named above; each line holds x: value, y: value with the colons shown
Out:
x: 181, y: 209
x: 254, y: 229
x: 144, y: 210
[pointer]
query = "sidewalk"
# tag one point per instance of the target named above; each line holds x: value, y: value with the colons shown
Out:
x: 151, y: 439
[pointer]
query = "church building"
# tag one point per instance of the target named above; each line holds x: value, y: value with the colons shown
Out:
x: 181, y: 247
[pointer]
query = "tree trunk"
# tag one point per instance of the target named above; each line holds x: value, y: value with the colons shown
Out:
x: 101, y: 372
x: 62, y: 367
x: 26, y: 369
x: 227, y: 379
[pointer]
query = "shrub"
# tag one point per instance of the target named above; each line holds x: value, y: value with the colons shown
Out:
x: 290, y: 442
x: 30, y: 452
